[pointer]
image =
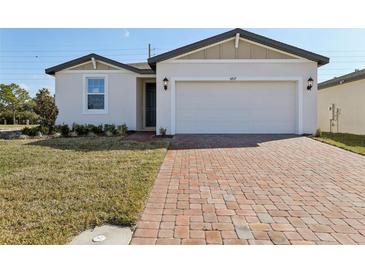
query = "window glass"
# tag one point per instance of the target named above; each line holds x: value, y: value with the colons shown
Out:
x: 95, y: 101
x: 95, y: 93
x: 95, y: 85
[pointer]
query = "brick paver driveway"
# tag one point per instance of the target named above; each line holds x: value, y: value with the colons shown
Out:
x: 255, y: 189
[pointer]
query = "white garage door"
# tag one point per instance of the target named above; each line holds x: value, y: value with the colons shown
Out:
x: 235, y: 107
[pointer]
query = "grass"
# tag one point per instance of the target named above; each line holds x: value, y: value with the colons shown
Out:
x: 15, y: 126
x: 351, y: 142
x: 50, y: 190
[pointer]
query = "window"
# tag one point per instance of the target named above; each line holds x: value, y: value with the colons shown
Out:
x: 95, y: 93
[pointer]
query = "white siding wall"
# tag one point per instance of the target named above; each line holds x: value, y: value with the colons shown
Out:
x: 268, y: 70
x: 121, y: 99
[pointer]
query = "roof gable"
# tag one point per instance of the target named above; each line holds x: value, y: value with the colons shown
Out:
x: 87, y: 58
x: 228, y: 49
x: 98, y: 66
x: 321, y: 60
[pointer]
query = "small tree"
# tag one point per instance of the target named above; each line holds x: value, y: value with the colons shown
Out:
x: 13, y: 98
x: 46, y: 108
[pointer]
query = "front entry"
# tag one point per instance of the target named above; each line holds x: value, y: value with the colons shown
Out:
x: 150, y: 105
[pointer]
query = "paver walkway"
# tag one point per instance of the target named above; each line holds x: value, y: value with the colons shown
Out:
x: 255, y: 189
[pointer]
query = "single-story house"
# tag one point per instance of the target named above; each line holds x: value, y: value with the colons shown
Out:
x: 234, y: 82
x: 341, y: 103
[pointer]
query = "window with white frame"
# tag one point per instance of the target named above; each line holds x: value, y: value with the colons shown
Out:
x: 95, y: 93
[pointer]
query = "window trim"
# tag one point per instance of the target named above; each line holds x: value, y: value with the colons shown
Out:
x: 85, y: 94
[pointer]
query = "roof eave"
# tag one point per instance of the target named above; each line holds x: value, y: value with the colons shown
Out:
x: 86, y: 58
x: 345, y: 79
x: 319, y: 59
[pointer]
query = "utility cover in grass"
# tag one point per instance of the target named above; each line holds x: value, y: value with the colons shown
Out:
x: 104, y: 235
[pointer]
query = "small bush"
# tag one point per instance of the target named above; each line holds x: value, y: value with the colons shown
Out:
x: 26, y: 131
x: 318, y: 133
x: 35, y: 131
x: 110, y: 128
x: 80, y: 129
x: 163, y: 131
x: 121, y: 130
x: 95, y: 129
x: 63, y: 129
x: 43, y: 129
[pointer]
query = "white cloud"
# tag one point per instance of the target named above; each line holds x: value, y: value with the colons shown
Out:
x: 126, y: 33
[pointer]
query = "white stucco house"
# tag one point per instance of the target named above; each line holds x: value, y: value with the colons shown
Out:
x: 341, y: 103
x: 234, y: 82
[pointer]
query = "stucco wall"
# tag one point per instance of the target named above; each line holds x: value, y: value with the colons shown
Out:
x: 350, y: 98
x: 121, y: 99
x: 303, y: 70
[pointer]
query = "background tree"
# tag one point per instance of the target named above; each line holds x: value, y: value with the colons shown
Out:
x: 46, y: 108
x: 13, y: 98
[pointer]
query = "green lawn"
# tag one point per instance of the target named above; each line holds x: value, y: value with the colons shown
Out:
x: 50, y: 190
x: 352, y: 142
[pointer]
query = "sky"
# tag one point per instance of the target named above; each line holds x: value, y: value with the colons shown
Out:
x: 26, y: 53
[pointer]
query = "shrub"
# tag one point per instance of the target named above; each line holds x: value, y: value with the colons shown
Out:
x: 318, y: 133
x: 110, y: 128
x: 95, y: 129
x: 63, y: 129
x: 26, y: 131
x: 80, y: 129
x: 45, y: 130
x: 33, y: 131
x: 121, y: 130
x: 163, y: 131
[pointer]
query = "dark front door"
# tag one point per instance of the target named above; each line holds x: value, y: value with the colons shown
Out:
x: 150, y: 105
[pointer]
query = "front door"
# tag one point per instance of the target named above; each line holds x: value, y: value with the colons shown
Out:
x: 150, y: 105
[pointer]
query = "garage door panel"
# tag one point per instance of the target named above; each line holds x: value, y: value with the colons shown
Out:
x: 239, y: 107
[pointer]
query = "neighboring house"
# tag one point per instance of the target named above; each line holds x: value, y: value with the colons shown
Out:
x: 341, y: 104
x: 234, y: 82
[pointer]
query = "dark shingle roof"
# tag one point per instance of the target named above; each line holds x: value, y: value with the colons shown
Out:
x: 321, y: 60
x: 350, y: 77
x: 83, y: 59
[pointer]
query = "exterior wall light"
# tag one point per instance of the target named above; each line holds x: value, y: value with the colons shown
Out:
x: 310, y: 84
x: 165, y: 82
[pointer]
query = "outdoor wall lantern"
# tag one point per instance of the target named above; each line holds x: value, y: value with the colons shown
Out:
x: 165, y: 82
x: 310, y: 84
